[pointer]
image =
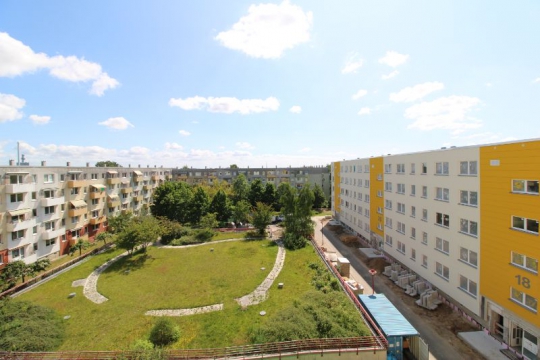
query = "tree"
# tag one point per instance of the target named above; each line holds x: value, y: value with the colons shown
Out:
x: 319, y: 200
x: 199, y: 205
x: 143, y: 231
x: 103, y: 236
x: 209, y: 221
x: 173, y: 201
x: 262, y: 216
x: 29, y: 327
x: 269, y: 195
x: 39, y: 265
x: 296, y: 210
x: 233, y: 166
x: 220, y: 206
x: 13, y: 272
x: 280, y: 191
x: 79, y: 245
x: 117, y: 224
x: 256, y: 192
x: 241, y: 211
x: 164, y: 332
x: 240, y: 188
x: 108, y: 163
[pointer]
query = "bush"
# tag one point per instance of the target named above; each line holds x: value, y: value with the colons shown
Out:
x: 204, y: 235
x: 142, y: 344
x: 164, y: 332
x: 294, y: 242
x: 28, y: 327
x: 173, y: 230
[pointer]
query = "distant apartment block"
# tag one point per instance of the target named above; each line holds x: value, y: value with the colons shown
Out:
x: 464, y: 219
x: 297, y: 177
x: 45, y: 209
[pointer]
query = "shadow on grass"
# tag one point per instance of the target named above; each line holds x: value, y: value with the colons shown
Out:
x: 133, y: 262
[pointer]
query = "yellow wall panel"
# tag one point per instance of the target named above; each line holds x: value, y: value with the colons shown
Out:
x: 375, y: 173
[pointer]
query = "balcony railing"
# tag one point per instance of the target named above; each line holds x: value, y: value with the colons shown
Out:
x: 78, y: 211
x: 20, y: 188
x: 20, y: 224
x: 113, y: 181
x: 52, y: 201
x: 98, y: 220
x: 76, y: 183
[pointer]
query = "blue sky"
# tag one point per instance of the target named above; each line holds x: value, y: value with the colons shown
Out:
x: 214, y: 83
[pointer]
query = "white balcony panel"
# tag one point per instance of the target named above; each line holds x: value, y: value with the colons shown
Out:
x: 53, y: 201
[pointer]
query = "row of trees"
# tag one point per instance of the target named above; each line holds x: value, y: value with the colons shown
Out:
x: 187, y: 204
x: 19, y: 270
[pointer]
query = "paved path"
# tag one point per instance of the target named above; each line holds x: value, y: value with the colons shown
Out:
x: 439, y: 347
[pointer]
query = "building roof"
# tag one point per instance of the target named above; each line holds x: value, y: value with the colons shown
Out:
x: 385, y: 314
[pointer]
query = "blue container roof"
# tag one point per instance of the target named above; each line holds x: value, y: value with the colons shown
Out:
x: 385, y: 314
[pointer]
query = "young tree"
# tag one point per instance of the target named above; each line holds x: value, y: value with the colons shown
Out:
x: 319, y: 200
x: 79, y: 245
x: 280, y: 191
x: 262, y: 216
x: 256, y: 192
x: 220, y: 206
x: 296, y: 210
x: 240, y: 212
x: 103, y: 236
x: 209, y: 221
x: 143, y: 231
x: 117, y: 224
x: 173, y: 201
x: 108, y: 163
x: 199, y: 205
x: 164, y: 332
x: 269, y: 195
x: 240, y: 189
x: 12, y: 273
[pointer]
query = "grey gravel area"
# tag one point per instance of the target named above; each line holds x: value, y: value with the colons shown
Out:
x: 80, y: 282
x: 185, y: 312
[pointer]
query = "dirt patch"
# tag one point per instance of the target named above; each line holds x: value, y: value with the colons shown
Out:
x: 350, y: 240
x: 377, y: 263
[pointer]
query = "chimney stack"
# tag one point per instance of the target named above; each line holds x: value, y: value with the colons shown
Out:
x: 43, y: 163
x: 87, y: 164
x: 11, y: 162
x: 68, y: 164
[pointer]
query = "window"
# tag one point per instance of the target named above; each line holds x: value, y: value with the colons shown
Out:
x: 401, y: 227
x: 401, y: 208
x: 387, y: 168
x: 468, y: 168
x: 442, y: 219
x: 424, y: 238
x: 50, y: 225
x: 442, y: 194
x: 424, y: 261
x: 34, y: 230
x: 442, y: 245
x: 95, y: 201
x: 413, y: 190
x: 413, y: 233
x: 75, y: 191
x: 413, y: 168
x: 442, y: 270
x: 366, y: 198
x: 387, y: 186
x: 468, y: 256
x: 75, y: 219
x: 424, y: 215
x: 50, y: 242
x: 17, y: 253
x: 48, y: 178
x: 388, y: 222
x: 379, y: 193
x: 467, y: 285
x: 401, y: 247
x: 388, y: 240
x: 95, y: 213
x: 413, y: 211
x: 366, y: 183
x: 379, y: 210
x: 34, y: 195
x: 34, y: 212
x: 48, y: 194
x: 366, y: 168
x: 468, y: 198
x: 424, y: 191
x: 524, y: 299
x: 16, y: 179
x: 16, y: 235
x: 16, y: 197
x: 413, y: 254
x: 49, y: 210
x: 94, y: 176
x: 424, y: 168
x: 366, y: 213
x: 62, y: 177
x: 525, y: 262
x: 529, y: 225
x: 401, y: 188
x: 1, y: 259
x: 468, y: 227
x: 360, y: 196
x: 525, y: 186
x: 441, y: 168
x: 388, y: 204
x: 401, y: 168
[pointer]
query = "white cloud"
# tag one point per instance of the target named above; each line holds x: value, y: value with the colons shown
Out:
x: 17, y: 59
x: 304, y: 150
x: 449, y: 113
x: 359, y: 94
x: 416, y: 92
x: 537, y: 80
x: 40, y: 120
x: 116, y: 123
x: 184, y: 132
x: 389, y: 75
x: 268, y: 30
x: 364, y: 111
x: 353, y: 63
x: 296, y: 109
x: 10, y: 107
x: 173, y: 146
x: 393, y: 59
x: 227, y: 105
x: 483, y: 138
x: 244, y: 145
x: 489, y: 84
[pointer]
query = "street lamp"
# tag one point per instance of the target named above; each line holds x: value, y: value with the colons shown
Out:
x: 373, y: 272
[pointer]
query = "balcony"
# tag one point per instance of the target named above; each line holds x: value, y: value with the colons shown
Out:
x: 98, y: 220
x: 76, y: 183
x: 168, y: 177
x: 15, y: 243
x: 97, y: 194
x: 155, y: 177
x: 138, y: 178
x: 113, y: 202
x: 126, y: 190
x: 51, y: 216
x: 113, y: 181
x: 20, y: 225
x: 20, y: 188
x: 138, y: 198
x: 52, y: 234
x: 126, y: 211
x: 78, y: 211
x: 147, y: 187
x: 53, y: 201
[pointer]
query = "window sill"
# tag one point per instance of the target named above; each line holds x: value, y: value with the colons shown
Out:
x: 468, y: 234
x: 390, y: 245
x: 424, y: 243
x: 413, y: 259
x: 423, y: 197
x: 524, y: 193
x: 524, y: 268
x: 468, y: 263
x: 441, y: 174
x: 524, y: 231
x: 468, y: 175
x: 401, y: 212
x: 441, y: 251
x: 401, y: 232
x: 424, y: 266
x: 468, y: 293
x: 413, y: 238
x: 401, y: 252
x: 441, y: 225
x: 442, y: 277
x: 424, y: 220
x: 414, y: 217
x: 442, y: 200
x: 469, y: 205
x: 523, y: 305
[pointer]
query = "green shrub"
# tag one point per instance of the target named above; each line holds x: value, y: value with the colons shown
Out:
x: 294, y: 242
x: 142, y: 344
x: 164, y: 332
x: 173, y: 231
x: 204, y: 235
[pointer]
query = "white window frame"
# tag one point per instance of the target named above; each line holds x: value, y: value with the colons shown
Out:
x: 468, y: 286
x: 401, y: 168
x: 388, y: 222
x: 388, y: 204
x: 528, y: 224
x: 401, y: 227
x: 521, y: 298
x: 442, y: 168
x: 413, y: 190
x: 468, y: 168
x: 388, y: 186
x: 401, y: 247
x: 442, y: 219
x: 401, y: 188
x: 442, y: 194
x: 388, y: 240
x: 442, y: 270
x: 525, y: 186
x: 400, y: 208
x: 467, y: 256
x: 413, y: 233
x: 465, y: 197
x: 523, y: 261
x: 468, y: 227
x: 442, y: 245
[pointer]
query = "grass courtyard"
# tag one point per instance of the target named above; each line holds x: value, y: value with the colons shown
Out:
x: 176, y: 278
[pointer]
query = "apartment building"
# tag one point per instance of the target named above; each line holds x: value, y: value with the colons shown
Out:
x: 463, y: 219
x: 297, y: 177
x: 44, y: 209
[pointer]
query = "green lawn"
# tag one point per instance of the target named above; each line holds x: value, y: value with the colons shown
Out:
x: 176, y: 278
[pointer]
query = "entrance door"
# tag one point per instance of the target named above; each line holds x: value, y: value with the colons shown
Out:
x: 517, y: 334
x: 530, y: 346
